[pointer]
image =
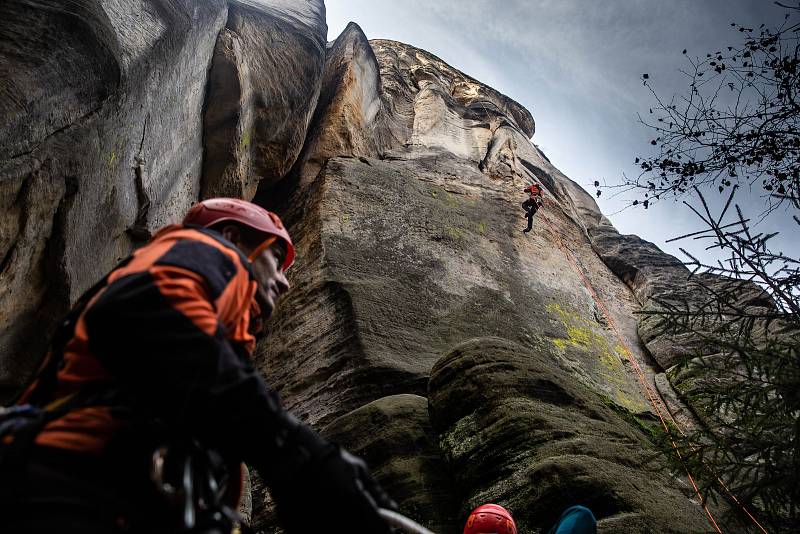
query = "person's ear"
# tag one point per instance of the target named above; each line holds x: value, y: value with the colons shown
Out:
x: 233, y: 234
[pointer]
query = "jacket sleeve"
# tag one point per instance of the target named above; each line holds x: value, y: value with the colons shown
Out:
x: 158, y: 332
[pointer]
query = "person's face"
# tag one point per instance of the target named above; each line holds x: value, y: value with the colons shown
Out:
x: 270, y: 277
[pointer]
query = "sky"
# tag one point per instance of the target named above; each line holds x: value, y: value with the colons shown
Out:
x: 577, y: 65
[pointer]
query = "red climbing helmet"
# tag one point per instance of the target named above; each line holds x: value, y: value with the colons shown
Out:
x: 490, y: 518
x: 209, y: 212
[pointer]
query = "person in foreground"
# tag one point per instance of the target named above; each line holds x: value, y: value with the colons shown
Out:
x: 147, y: 403
x: 493, y: 518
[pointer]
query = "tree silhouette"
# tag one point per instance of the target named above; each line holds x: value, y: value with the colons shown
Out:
x: 738, y: 123
x: 743, y: 381
x: 736, y: 128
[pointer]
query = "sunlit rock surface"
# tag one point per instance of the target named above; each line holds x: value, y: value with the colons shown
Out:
x: 465, y: 360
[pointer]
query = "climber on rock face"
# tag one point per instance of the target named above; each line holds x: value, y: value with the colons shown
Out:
x: 493, y: 518
x: 531, y: 206
x: 147, y: 404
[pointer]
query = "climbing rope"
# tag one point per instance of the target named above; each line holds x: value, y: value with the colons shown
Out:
x: 402, y: 522
x: 655, y: 399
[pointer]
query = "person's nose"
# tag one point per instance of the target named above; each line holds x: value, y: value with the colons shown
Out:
x: 282, y: 283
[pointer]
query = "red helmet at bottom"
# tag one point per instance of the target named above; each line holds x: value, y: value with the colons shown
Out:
x: 490, y: 518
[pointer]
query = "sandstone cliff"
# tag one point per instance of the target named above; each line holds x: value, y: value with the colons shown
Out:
x: 466, y: 361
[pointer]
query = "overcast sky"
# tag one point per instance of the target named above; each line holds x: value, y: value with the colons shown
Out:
x: 577, y: 66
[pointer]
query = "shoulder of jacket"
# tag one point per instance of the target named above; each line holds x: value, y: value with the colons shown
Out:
x: 207, y: 237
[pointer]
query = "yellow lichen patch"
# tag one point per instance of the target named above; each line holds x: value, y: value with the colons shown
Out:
x: 622, y: 399
x: 118, y: 152
x: 610, y: 360
x: 581, y: 334
x: 451, y: 199
x: 482, y: 227
x: 454, y: 233
x: 244, y: 144
x: 556, y: 308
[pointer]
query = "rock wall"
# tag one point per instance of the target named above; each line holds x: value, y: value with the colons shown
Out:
x: 262, y: 91
x: 466, y: 361
x: 415, y: 281
x: 101, y: 106
x: 105, y: 111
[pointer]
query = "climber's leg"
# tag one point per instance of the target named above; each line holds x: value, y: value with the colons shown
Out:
x: 530, y: 208
x: 530, y: 222
x: 528, y: 205
x: 575, y: 520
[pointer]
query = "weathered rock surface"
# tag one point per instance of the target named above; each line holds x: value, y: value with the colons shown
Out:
x: 410, y: 245
x: 263, y: 89
x: 395, y: 434
x: 518, y: 429
x: 414, y: 294
x: 101, y: 106
x: 103, y: 128
x: 350, y: 119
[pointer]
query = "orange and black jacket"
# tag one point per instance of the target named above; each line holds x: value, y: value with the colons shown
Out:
x: 170, y: 333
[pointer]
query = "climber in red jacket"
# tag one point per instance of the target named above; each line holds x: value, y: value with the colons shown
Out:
x: 148, y: 398
x: 531, y: 206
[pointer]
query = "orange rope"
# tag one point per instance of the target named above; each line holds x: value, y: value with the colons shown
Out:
x: 654, y: 398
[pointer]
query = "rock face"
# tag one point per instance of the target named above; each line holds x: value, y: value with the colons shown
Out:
x: 514, y: 427
x: 395, y: 433
x: 101, y: 106
x: 263, y: 89
x: 466, y: 361
x: 405, y: 204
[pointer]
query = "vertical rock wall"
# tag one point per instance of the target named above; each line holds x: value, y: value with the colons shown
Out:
x: 263, y: 89
x: 415, y: 281
x: 101, y: 104
x: 105, y: 106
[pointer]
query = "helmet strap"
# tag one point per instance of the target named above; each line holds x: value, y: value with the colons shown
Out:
x: 261, y: 248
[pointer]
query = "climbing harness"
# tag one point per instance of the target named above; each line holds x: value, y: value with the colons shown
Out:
x: 532, y: 204
x: 657, y: 402
x: 193, y: 481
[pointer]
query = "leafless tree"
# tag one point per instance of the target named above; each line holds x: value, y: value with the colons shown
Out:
x: 737, y: 123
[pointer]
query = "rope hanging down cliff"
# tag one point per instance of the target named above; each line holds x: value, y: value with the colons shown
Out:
x: 657, y: 402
